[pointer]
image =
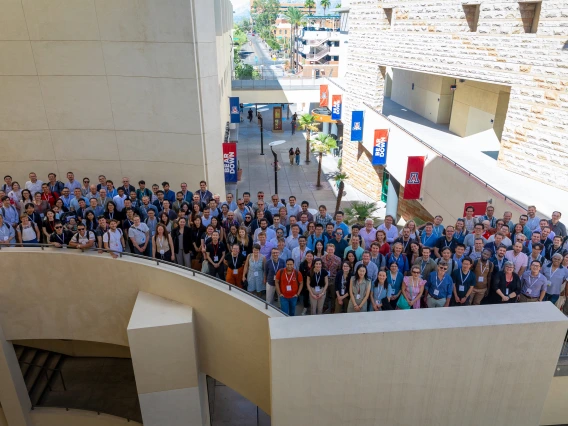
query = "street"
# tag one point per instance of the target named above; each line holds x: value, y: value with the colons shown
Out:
x: 261, y: 58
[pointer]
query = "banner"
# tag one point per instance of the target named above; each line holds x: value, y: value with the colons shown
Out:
x: 235, y: 110
x: 277, y: 119
x: 324, y: 95
x: 414, y: 175
x: 336, y: 107
x: 230, y: 161
x: 357, y: 126
x: 478, y: 208
x: 380, y: 145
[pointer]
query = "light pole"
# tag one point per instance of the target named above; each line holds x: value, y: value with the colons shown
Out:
x: 261, y: 136
x: 273, y: 144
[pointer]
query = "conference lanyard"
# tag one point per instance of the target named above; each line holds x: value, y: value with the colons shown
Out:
x: 62, y: 238
x: 461, y: 277
x: 234, y: 259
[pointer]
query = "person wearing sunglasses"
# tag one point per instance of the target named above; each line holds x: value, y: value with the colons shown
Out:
x: 60, y: 238
x: 439, y: 287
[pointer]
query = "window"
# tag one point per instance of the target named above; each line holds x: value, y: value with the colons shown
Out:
x: 471, y: 16
x: 530, y: 14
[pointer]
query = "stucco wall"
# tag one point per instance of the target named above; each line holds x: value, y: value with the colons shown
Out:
x: 128, y: 88
x: 95, y: 300
x: 435, y: 38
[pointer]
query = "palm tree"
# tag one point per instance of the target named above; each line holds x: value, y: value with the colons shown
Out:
x: 322, y: 144
x: 307, y: 122
x: 296, y: 19
x: 340, y: 178
x: 310, y: 4
x: 325, y: 4
x: 359, y: 211
x: 338, y: 5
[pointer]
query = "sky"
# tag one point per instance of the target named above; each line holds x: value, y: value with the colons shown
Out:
x: 237, y: 3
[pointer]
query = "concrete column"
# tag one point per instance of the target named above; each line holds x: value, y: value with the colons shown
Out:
x: 392, y: 198
x: 13, y: 393
x: 162, y: 343
x: 325, y: 128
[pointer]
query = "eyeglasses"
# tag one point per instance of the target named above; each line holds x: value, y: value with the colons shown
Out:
x: 58, y: 227
x: 241, y: 204
x: 443, y: 268
x: 417, y: 272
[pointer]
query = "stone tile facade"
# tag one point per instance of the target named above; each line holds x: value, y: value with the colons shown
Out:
x: 436, y: 37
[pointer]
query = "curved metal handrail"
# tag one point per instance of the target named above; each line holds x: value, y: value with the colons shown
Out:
x: 487, y: 185
x: 158, y: 262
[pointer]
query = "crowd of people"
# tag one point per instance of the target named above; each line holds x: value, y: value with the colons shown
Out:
x: 280, y: 250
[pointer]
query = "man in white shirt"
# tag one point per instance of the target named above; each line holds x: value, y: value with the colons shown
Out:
x: 113, y: 239
x: 368, y: 233
x: 119, y: 199
x: 34, y: 184
x: 72, y: 183
x: 299, y: 253
x: 389, y: 228
x: 139, y: 234
x: 83, y: 239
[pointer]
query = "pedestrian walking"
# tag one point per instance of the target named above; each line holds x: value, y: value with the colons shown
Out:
x: 297, y: 156
x: 291, y: 156
x: 250, y: 115
x: 293, y: 126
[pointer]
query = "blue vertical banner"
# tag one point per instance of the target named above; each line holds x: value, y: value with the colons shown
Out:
x: 336, y: 107
x: 380, y: 146
x: 234, y: 110
x: 357, y: 126
x: 230, y: 162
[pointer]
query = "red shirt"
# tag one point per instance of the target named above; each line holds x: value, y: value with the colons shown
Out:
x: 49, y: 198
x: 288, y: 282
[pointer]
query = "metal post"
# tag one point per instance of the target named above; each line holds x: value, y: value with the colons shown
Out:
x: 261, y: 137
x: 275, y: 171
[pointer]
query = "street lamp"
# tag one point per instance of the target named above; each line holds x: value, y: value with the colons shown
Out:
x: 272, y: 144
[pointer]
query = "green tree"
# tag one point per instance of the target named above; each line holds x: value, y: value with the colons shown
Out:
x: 296, y: 19
x: 338, y: 5
x: 325, y: 4
x: 340, y: 179
x: 307, y: 122
x: 310, y: 4
x: 359, y: 211
x: 322, y: 144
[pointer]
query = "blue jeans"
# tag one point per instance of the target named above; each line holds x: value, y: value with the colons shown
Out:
x: 551, y: 298
x: 298, y: 160
x: 288, y: 306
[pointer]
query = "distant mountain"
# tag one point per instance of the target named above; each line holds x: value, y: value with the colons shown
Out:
x: 241, y: 12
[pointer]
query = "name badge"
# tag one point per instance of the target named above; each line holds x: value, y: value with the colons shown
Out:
x: 506, y: 292
x: 215, y: 258
x: 318, y: 288
x: 480, y: 280
x: 63, y: 245
x: 244, y: 253
x: 256, y: 273
x: 143, y: 240
x: 162, y: 253
x: 235, y: 271
x: 358, y: 296
x: 342, y: 292
x: 5, y: 238
x: 461, y: 288
x: 548, y: 283
x: 436, y: 292
x: 288, y: 288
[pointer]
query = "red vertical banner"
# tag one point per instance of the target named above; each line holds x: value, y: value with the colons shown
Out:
x: 478, y: 208
x: 324, y: 95
x: 414, y: 176
x: 230, y: 161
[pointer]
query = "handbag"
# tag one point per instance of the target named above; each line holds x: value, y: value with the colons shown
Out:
x: 402, y: 303
x: 386, y: 304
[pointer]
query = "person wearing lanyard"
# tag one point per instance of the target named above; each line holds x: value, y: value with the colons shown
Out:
x: 440, y: 287
x: 113, y: 239
x: 464, y: 282
x: 446, y: 241
x: 381, y: 293
x: 426, y: 263
x: 234, y: 264
x: 499, y: 259
x: 60, y: 238
x: 428, y: 238
x: 556, y: 275
x: 271, y: 267
x: 299, y: 253
x: 394, y: 278
x: 204, y: 194
x: 483, y: 270
x: 7, y: 233
x: 215, y: 255
x: 288, y: 284
x: 359, y: 290
x: 342, y: 283
x: 506, y: 285
x: 317, y: 284
x: 533, y: 284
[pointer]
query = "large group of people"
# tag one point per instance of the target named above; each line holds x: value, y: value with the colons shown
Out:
x: 280, y: 250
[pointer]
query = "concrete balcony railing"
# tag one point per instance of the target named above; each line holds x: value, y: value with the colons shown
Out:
x: 318, y: 55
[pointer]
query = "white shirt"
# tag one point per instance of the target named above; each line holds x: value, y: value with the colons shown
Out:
x: 299, y: 255
x: 114, y: 243
x: 138, y: 233
x: 89, y: 236
x: 119, y: 201
x: 368, y: 237
x: 392, y: 233
x: 34, y: 187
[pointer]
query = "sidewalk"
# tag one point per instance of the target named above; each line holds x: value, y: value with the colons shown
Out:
x: 258, y: 170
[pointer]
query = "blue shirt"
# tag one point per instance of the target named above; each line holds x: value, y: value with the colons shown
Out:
x: 270, y: 269
x: 401, y: 261
x: 445, y: 286
x: 429, y: 241
x: 313, y: 239
x: 343, y: 227
x: 10, y: 215
x: 112, y: 193
x: 170, y: 196
x: 395, y: 284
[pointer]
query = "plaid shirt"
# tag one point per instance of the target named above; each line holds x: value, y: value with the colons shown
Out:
x: 331, y: 264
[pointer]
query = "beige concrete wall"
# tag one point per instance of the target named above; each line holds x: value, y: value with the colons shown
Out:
x: 430, y: 97
x: 120, y: 88
x: 78, y: 348
x: 479, y: 365
x: 478, y: 107
x: 555, y: 410
x: 280, y: 96
x: 97, y: 306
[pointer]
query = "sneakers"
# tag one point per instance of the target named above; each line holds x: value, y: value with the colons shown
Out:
x: 305, y: 311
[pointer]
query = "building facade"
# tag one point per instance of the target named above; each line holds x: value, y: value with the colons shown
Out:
x: 506, y: 58
x: 130, y: 88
